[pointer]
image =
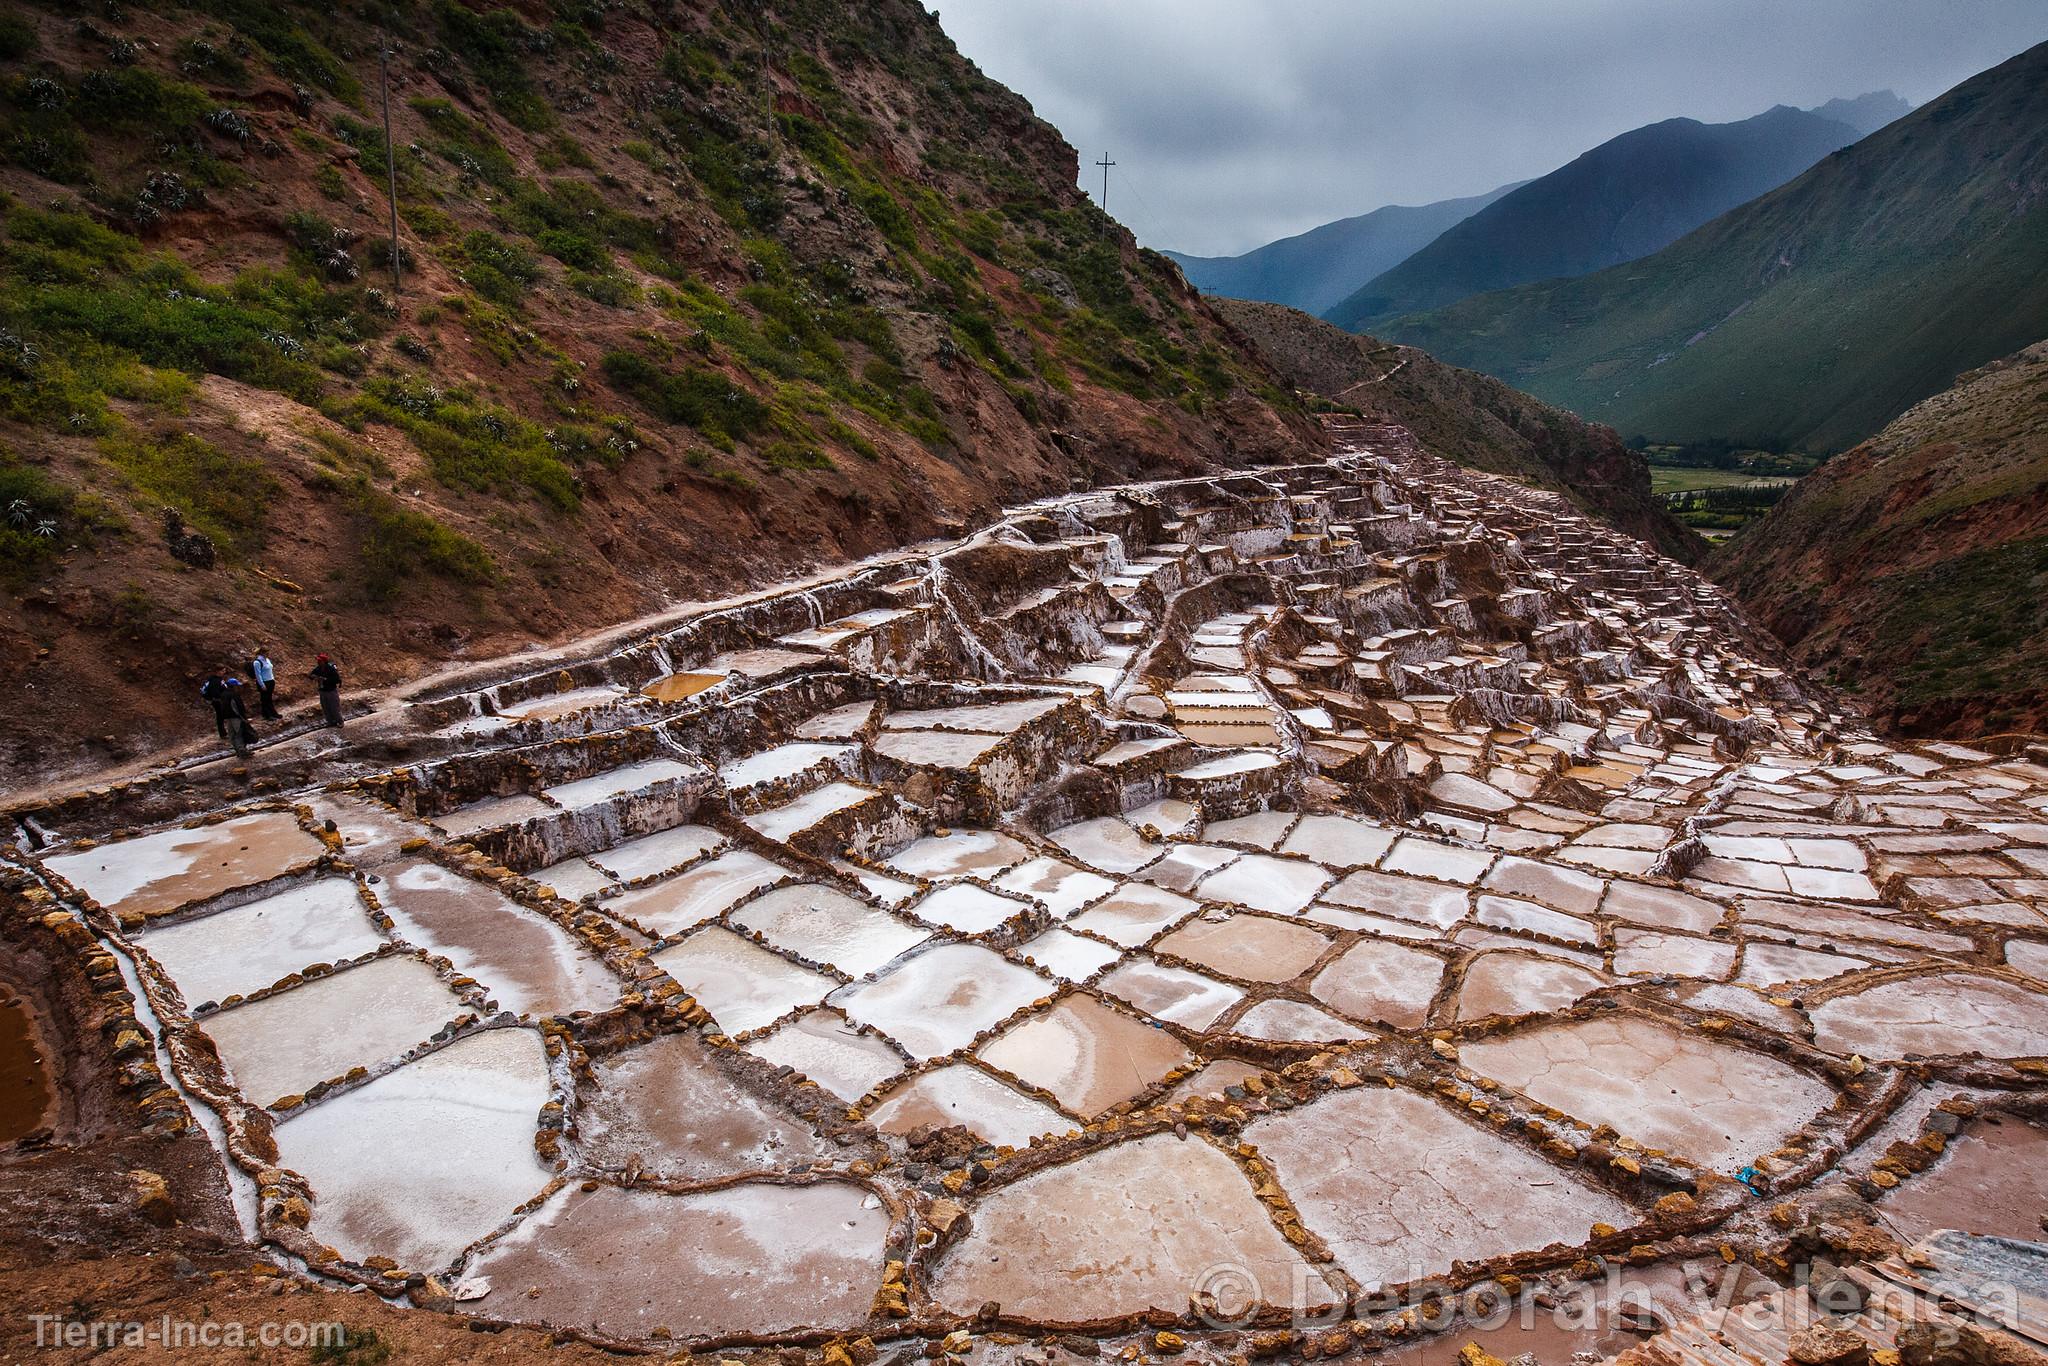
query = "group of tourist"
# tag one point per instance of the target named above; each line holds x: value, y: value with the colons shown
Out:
x: 228, y: 695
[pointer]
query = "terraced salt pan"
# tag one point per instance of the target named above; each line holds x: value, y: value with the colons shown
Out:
x: 1133, y: 1227
x: 1067, y: 955
x: 421, y: 1162
x: 840, y: 723
x: 1380, y: 982
x: 1087, y: 1055
x: 1950, y: 1013
x: 743, y: 985
x: 1509, y: 983
x: 1062, y: 887
x: 151, y: 874
x: 960, y: 1093
x: 936, y: 748
x: 358, y: 1017
x: 530, y: 965
x: 940, y: 999
x: 602, y: 787
x: 958, y: 853
x: 1714, y: 1103
x: 1251, y: 948
x: 793, y: 818
x: 751, y: 1258
x: 1265, y: 883
x: 824, y: 1047
x: 1639, y: 951
x: 1133, y: 914
x: 1287, y: 1021
x: 830, y: 927
x: 680, y: 687
x: 1107, y: 843
x: 1400, y: 1187
x: 668, y: 1104
x: 248, y: 947
x: 691, y: 898
x: 1404, y: 898
x: 557, y: 705
x: 1338, y: 841
x: 994, y: 718
x: 658, y: 853
x: 1185, y: 865
x: 969, y: 909
x: 1171, y: 993
x: 785, y: 762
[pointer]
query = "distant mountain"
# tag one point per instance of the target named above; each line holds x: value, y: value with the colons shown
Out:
x: 1810, y: 317
x: 1622, y: 200
x: 1315, y: 269
x: 1866, y: 113
x: 1913, y: 570
x: 1463, y: 416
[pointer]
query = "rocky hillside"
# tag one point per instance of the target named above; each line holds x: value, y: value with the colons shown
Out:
x: 1808, y: 318
x: 1465, y: 416
x: 1913, y: 570
x: 693, y: 294
x: 1622, y: 200
x: 1316, y: 269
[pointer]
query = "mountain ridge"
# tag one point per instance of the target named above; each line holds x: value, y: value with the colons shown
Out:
x: 1779, y: 324
x: 1315, y: 269
x: 1614, y: 203
x: 1914, y: 568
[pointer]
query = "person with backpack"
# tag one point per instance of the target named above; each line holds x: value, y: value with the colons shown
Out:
x: 328, y: 678
x: 230, y: 713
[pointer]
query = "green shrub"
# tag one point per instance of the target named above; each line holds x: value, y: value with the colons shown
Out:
x: 468, y: 443
x: 34, y: 509
x: 795, y: 455
x: 573, y: 248
x: 501, y: 271
x: 704, y: 399
x: 227, y: 496
x: 399, y: 544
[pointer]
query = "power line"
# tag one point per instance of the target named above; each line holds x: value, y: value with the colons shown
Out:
x: 1105, y: 164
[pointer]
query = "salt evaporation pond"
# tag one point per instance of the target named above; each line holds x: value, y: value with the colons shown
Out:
x: 419, y: 1163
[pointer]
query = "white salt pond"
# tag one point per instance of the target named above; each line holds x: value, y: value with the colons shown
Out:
x: 151, y: 874
x: 358, y: 1017
x: 959, y: 1093
x: 827, y: 926
x: 743, y: 985
x: 751, y: 1258
x: 530, y: 965
x: 421, y: 1162
x: 252, y: 946
x: 827, y: 1048
x: 940, y: 999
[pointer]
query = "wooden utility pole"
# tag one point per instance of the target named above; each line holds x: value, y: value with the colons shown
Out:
x: 390, y: 157
x: 1105, y: 164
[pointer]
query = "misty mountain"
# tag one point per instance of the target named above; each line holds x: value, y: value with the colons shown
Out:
x: 1315, y: 269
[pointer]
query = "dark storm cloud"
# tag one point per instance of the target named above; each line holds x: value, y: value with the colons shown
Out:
x: 1237, y: 121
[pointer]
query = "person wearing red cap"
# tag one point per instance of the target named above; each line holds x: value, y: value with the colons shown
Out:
x: 328, y: 677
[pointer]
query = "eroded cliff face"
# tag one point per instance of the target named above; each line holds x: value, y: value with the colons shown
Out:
x: 1465, y: 416
x: 1912, y: 571
x: 694, y: 296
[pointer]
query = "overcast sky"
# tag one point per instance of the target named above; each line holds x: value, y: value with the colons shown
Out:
x: 1234, y: 122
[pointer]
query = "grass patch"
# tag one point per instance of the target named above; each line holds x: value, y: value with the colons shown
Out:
x: 224, y: 495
